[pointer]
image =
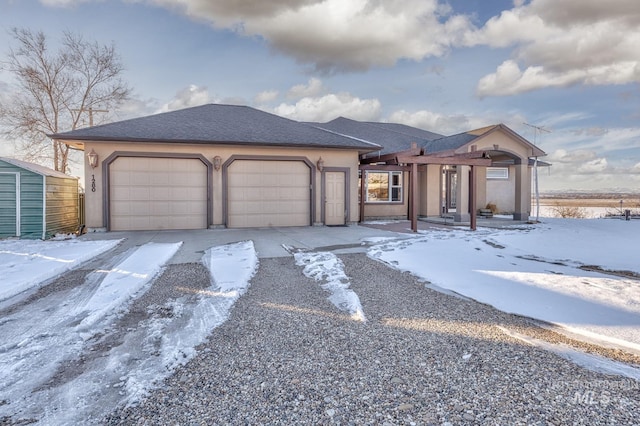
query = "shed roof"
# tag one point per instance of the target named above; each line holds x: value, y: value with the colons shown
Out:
x: 219, y: 124
x: 36, y: 168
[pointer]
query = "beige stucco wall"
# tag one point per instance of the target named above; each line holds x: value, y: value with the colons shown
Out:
x: 514, y: 196
x: 502, y: 192
x: 430, y: 183
x: 331, y: 157
x: 504, y: 142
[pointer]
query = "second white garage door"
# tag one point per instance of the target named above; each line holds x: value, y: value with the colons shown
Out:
x: 268, y: 193
x: 157, y: 193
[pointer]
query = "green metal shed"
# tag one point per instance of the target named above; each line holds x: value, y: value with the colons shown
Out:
x: 35, y: 201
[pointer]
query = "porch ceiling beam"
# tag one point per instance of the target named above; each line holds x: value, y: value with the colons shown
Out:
x: 453, y: 161
x: 382, y: 167
x: 386, y: 158
x: 448, y: 154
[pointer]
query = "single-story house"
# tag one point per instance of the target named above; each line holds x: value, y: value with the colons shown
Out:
x: 35, y: 201
x: 236, y: 166
x: 495, y: 161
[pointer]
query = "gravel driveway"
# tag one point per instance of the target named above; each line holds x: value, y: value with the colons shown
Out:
x: 287, y: 356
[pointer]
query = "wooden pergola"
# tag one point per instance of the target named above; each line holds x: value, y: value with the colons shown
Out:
x: 409, y: 161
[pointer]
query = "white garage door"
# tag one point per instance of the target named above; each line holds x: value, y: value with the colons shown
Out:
x: 157, y: 193
x: 268, y: 193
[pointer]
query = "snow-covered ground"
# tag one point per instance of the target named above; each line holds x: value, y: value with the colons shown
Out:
x: 62, y: 328
x: 325, y: 266
x: 536, y: 272
x: 533, y: 271
x: 26, y: 264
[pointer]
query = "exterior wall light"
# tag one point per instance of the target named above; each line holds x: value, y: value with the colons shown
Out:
x: 320, y: 164
x: 217, y: 162
x: 93, y: 159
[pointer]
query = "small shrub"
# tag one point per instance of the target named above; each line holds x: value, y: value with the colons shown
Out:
x: 493, y: 207
x: 569, y: 212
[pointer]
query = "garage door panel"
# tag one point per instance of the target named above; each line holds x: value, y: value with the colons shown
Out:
x: 157, y: 193
x: 139, y: 193
x: 268, y: 193
x: 159, y: 179
x: 120, y: 208
x: 139, y: 178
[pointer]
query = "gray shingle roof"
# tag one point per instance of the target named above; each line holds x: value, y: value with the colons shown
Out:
x: 448, y: 143
x: 408, y: 130
x: 220, y: 124
x: 390, y: 140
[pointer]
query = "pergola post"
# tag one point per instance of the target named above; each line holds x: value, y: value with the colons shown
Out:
x: 414, y: 197
x: 472, y: 198
x: 363, y: 194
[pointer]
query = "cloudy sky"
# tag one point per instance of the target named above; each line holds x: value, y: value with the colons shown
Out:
x: 572, y: 66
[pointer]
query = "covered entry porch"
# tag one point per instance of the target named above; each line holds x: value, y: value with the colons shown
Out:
x: 450, y: 188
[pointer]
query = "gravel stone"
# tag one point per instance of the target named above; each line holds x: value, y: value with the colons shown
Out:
x: 288, y: 356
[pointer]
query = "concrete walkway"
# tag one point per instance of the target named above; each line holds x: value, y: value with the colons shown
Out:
x: 269, y: 242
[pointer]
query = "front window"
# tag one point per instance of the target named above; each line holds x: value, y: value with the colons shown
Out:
x: 384, y: 187
x: 497, y: 173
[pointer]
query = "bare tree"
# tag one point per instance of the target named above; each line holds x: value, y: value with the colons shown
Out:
x: 57, y: 91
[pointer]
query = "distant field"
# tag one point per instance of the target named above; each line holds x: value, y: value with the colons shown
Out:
x: 587, y: 205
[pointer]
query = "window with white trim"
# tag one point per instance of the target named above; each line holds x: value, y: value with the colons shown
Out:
x: 497, y: 173
x: 384, y: 187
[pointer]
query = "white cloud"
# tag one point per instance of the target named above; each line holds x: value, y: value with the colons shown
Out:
x: 593, y: 166
x: 328, y: 107
x: 454, y: 123
x: 62, y: 3
x: 558, y: 44
x: 266, y: 97
x: 509, y: 79
x: 313, y: 88
x: 591, y: 131
x: 337, y: 34
x: 572, y: 157
x: 135, y: 107
x: 188, y: 97
x: 636, y: 168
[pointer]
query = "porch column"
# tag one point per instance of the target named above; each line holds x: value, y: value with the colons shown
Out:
x: 414, y: 197
x: 472, y: 197
x: 363, y: 194
x: 462, y: 195
x: 523, y: 192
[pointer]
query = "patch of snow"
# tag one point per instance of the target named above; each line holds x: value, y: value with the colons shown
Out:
x: 123, y: 282
x: 63, y: 237
x: 148, y: 353
x: 42, y: 336
x: 26, y: 264
x: 535, y: 272
x: 382, y: 222
x: 591, y: 362
x: 243, y: 259
x: 378, y: 240
x: 326, y: 266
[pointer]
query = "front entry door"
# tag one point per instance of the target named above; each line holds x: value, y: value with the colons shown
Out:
x: 450, y: 190
x: 334, y: 204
